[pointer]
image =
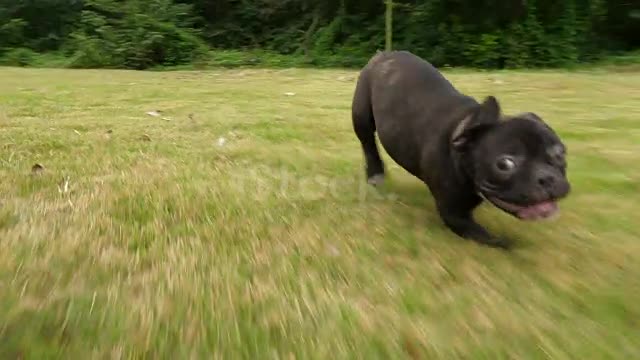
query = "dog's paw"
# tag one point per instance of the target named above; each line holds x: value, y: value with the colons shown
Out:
x: 376, y: 180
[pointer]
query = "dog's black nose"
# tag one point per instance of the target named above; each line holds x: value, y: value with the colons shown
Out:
x: 552, y: 183
x: 546, y: 180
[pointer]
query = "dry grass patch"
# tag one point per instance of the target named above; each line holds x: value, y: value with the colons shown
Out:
x: 236, y: 223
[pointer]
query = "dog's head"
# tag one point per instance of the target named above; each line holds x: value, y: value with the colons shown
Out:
x: 517, y: 163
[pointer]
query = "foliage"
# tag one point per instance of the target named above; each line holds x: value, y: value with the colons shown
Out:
x: 18, y: 57
x: 136, y: 34
x: 140, y: 34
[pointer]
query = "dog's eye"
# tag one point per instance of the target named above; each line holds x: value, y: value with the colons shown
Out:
x: 506, y: 164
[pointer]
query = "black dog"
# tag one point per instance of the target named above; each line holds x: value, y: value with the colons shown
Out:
x: 464, y: 151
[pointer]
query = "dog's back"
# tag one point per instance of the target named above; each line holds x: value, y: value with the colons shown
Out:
x: 410, y: 104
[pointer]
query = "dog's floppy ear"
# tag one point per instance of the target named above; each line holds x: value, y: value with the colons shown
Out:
x: 481, y: 119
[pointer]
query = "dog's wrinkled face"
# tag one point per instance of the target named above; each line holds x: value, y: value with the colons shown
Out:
x: 519, y: 165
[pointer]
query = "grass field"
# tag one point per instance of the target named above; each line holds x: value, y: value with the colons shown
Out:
x: 237, y: 224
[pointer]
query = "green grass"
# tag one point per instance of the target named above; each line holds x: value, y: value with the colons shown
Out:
x: 272, y: 245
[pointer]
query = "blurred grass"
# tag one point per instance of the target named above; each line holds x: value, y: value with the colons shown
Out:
x: 272, y: 245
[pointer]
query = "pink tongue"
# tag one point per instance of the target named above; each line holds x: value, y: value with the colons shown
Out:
x: 541, y: 210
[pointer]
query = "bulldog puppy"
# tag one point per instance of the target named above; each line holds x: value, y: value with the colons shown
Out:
x: 465, y: 151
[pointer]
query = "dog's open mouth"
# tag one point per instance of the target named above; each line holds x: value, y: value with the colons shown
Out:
x: 542, y: 210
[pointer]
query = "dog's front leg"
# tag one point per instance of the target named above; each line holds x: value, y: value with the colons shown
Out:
x: 461, y: 222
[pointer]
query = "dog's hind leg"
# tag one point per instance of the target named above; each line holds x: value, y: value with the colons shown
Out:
x: 365, y: 128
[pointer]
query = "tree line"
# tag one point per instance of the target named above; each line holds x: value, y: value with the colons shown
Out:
x: 140, y: 34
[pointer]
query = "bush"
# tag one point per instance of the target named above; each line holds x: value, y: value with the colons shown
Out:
x: 19, y: 57
x: 134, y: 37
x: 143, y: 34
